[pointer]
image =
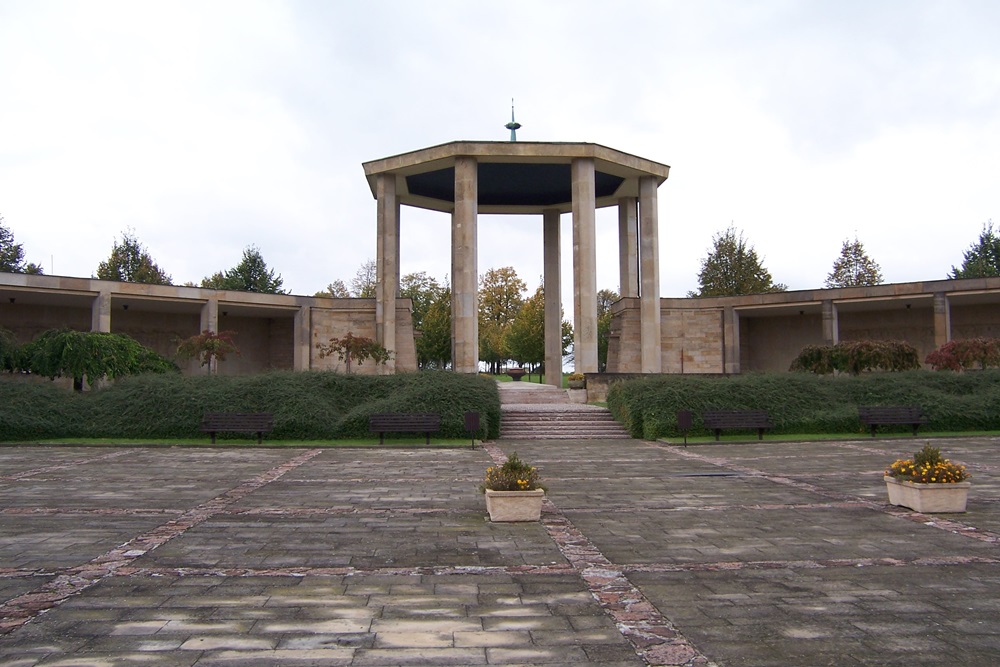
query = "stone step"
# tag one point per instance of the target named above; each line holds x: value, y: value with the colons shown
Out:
x: 579, y: 422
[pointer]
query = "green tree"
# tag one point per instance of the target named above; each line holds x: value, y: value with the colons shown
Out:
x: 250, y: 275
x: 501, y: 295
x: 732, y: 268
x: 364, y: 283
x: 130, y: 262
x: 335, y: 290
x: 854, y: 268
x: 422, y: 290
x: 434, y: 342
x: 12, y: 254
x: 89, y: 356
x: 9, y: 350
x: 605, y: 299
x: 982, y: 259
x: 524, y: 338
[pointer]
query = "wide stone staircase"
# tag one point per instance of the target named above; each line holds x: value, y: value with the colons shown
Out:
x: 531, y: 411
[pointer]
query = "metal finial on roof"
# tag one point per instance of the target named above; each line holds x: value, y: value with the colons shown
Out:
x: 513, y: 125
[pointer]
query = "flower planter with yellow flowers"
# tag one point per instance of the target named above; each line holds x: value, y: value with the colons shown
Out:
x: 928, y: 483
x: 513, y: 491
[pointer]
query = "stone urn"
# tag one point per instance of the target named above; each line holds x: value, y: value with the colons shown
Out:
x: 928, y: 498
x: 516, y: 373
x: 515, y: 505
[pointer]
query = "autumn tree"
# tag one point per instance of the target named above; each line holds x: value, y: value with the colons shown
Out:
x: 732, y: 268
x: 363, y: 285
x: 12, y: 254
x: 208, y: 346
x: 982, y: 259
x: 501, y: 295
x: 854, y: 268
x: 353, y: 348
x: 335, y: 290
x: 130, y: 262
x: 524, y: 339
x: 250, y: 275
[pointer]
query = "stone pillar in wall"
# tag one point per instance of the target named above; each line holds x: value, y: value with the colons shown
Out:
x: 100, y: 313
x: 731, y: 340
x: 553, y: 304
x: 387, y: 267
x: 464, y: 271
x: 628, y: 248
x: 302, y: 339
x: 584, y: 266
x: 942, y: 319
x: 831, y: 324
x: 210, y: 322
x: 649, y: 272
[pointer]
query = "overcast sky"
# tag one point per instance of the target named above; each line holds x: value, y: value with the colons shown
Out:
x: 210, y: 125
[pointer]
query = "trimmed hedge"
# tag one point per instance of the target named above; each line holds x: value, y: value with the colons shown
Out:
x: 805, y: 403
x: 306, y: 405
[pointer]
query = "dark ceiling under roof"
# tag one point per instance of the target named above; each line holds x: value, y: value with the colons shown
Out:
x: 512, y: 184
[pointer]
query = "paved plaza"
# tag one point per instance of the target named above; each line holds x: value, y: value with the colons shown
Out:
x: 732, y: 554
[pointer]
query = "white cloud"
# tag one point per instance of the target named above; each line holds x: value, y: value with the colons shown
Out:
x: 211, y: 126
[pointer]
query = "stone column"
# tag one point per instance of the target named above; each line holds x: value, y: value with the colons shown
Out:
x: 464, y: 271
x: 942, y: 319
x: 302, y: 339
x: 100, y: 313
x: 649, y: 301
x: 387, y: 266
x: 210, y: 322
x: 731, y: 341
x: 628, y: 249
x: 553, y: 304
x: 584, y: 266
x: 831, y: 324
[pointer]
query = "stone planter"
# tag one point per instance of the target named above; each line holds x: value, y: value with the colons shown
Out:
x: 515, y: 505
x: 576, y: 384
x: 928, y: 498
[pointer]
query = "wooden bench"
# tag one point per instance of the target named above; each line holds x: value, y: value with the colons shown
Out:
x: 716, y: 420
x: 874, y: 416
x: 395, y: 422
x: 238, y: 422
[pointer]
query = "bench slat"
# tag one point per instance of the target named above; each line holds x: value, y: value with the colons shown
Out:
x: 393, y: 422
x: 238, y: 422
x: 716, y: 420
x: 877, y: 415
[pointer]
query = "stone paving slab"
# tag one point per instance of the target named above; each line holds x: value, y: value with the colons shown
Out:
x: 647, y: 554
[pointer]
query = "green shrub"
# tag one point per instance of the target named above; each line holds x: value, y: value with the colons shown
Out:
x: 306, y: 405
x: 806, y: 403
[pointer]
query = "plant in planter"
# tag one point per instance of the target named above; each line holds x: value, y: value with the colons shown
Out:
x: 576, y: 380
x: 513, y: 491
x: 928, y: 482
